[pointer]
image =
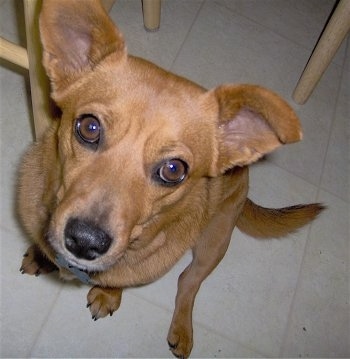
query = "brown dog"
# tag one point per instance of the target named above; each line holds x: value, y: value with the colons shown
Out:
x: 142, y: 166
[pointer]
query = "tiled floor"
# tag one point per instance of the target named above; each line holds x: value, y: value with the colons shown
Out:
x: 279, y: 298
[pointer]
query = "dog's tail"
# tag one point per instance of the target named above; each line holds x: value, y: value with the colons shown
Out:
x: 260, y: 222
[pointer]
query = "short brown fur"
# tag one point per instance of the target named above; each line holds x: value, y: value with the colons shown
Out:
x: 105, y: 209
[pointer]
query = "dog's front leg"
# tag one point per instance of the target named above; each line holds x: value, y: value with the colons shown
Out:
x: 207, y: 253
x: 103, y: 301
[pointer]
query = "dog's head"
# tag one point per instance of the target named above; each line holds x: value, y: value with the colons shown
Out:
x: 137, y: 145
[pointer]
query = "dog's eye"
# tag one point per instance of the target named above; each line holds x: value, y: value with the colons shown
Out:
x: 88, y: 129
x: 172, y: 172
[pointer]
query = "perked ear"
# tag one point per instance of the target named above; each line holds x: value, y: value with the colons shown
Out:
x: 76, y: 36
x: 252, y: 122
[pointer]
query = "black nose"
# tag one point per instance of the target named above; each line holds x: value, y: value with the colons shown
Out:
x: 85, y: 240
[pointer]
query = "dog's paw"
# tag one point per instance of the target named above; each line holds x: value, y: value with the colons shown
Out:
x: 180, y: 340
x: 35, y: 263
x: 103, y: 301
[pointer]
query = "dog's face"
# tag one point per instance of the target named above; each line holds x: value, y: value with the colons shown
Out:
x: 129, y: 153
x: 137, y: 145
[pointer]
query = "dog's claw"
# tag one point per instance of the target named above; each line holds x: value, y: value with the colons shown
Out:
x: 94, y: 318
x: 88, y: 305
x: 172, y: 346
x: 26, y: 254
x: 37, y: 273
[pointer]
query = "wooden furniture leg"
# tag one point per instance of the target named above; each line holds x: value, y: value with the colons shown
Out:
x: 39, y: 83
x: 13, y: 53
x: 107, y: 4
x: 151, y: 14
x: 327, y: 46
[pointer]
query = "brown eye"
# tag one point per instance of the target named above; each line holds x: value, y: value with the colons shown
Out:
x: 88, y: 129
x: 172, y: 172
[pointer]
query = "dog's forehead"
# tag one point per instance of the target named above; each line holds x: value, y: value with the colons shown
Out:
x: 140, y: 83
x: 138, y: 93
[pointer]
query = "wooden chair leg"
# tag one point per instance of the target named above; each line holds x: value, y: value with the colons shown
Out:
x: 327, y: 46
x: 13, y: 53
x: 151, y: 14
x: 39, y: 83
x: 107, y: 4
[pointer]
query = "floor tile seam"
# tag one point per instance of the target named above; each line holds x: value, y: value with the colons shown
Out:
x: 294, y: 297
x: 314, y: 184
x: 178, y: 52
x: 310, y: 50
x: 230, y: 339
x: 319, y: 189
x: 299, y: 278
x: 197, y: 323
x: 325, y: 190
x: 331, y: 128
x: 44, y: 322
x: 293, y: 174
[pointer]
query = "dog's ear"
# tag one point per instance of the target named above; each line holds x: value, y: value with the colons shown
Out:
x: 252, y: 121
x: 76, y: 36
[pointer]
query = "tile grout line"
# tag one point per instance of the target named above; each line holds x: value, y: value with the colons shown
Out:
x: 307, y: 243
x: 198, y: 323
x: 44, y: 322
x: 331, y: 128
x: 187, y: 35
x: 264, y: 25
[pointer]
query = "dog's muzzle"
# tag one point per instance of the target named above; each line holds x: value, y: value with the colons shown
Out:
x: 85, y: 240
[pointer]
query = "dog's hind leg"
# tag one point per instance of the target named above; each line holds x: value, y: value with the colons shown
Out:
x: 207, y: 253
x: 35, y: 262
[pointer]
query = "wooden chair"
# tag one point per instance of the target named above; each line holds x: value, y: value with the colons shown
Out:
x: 30, y: 58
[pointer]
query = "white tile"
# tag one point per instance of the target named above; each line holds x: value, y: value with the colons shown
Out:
x: 299, y: 21
x: 25, y: 300
x: 319, y: 320
x: 335, y: 178
x: 12, y: 26
x: 347, y: 55
x: 135, y: 330
x: 138, y: 329
x: 160, y: 46
x: 16, y: 135
x: 306, y: 158
x: 208, y: 344
x: 228, y: 47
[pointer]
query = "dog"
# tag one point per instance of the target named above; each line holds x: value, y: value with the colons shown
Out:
x: 142, y: 166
